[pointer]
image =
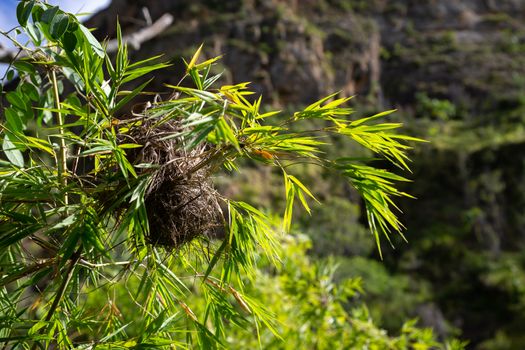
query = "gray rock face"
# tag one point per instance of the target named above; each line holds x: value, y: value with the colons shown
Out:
x: 273, y: 44
x: 294, y: 52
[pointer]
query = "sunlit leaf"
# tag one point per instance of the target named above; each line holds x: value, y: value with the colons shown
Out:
x: 12, y: 152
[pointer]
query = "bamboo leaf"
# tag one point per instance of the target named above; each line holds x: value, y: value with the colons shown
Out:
x: 130, y: 96
x: 194, y: 59
x: 290, y: 195
x: 375, y: 116
x: 302, y: 187
x: 92, y: 41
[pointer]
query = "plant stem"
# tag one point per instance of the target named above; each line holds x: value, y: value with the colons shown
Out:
x: 60, y: 293
x: 62, y: 153
x: 26, y: 272
x: 63, y: 286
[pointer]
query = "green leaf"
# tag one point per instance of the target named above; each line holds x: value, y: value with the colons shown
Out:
x: 24, y: 66
x: 93, y: 42
x: 304, y: 202
x: 40, y: 144
x: 10, y: 75
x: 70, y: 220
x: 216, y: 257
x: 97, y: 149
x: 302, y: 187
x: 34, y: 33
x: 73, y: 76
x: 290, y: 195
x: 198, y: 139
x: 12, y: 153
x: 49, y: 14
x: 17, y: 100
x: 91, y: 237
x: 23, y: 11
x: 58, y: 26
x: 37, y: 12
x: 375, y: 116
x: 130, y: 96
x: 73, y: 23
x: 30, y: 91
x: 14, y: 120
x: 207, y: 62
x: 109, y: 336
x: 194, y: 59
x: 15, y: 235
x: 226, y: 133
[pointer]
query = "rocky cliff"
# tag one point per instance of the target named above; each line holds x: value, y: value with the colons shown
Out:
x: 295, y: 51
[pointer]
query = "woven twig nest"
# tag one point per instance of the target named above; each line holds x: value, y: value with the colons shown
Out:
x: 180, y: 200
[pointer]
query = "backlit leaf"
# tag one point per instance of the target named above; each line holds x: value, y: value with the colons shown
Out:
x: 58, y: 25
x: 12, y: 152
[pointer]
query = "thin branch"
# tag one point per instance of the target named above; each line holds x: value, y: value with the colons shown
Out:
x: 26, y: 271
x: 7, y: 55
x: 60, y: 293
x: 62, y: 153
x: 62, y: 289
x: 116, y: 263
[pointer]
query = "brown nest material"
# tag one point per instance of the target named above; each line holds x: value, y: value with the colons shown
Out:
x: 180, y: 200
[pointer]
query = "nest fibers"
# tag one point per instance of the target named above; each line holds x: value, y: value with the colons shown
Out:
x: 180, y: 200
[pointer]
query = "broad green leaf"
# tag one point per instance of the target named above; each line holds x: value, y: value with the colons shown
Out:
x: 12, y: 153
x: 36, y: 14
x: 73, y: 23
x: 49, y: 14
x: 17, y: 100
x: 10, y: 75
x: 69, y: 41
x: 24, y: 66
x: 23, y: 11
x: 58, y: 25
x: 14, y: 119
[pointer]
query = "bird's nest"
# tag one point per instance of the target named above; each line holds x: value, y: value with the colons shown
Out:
x: 180, y: 199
